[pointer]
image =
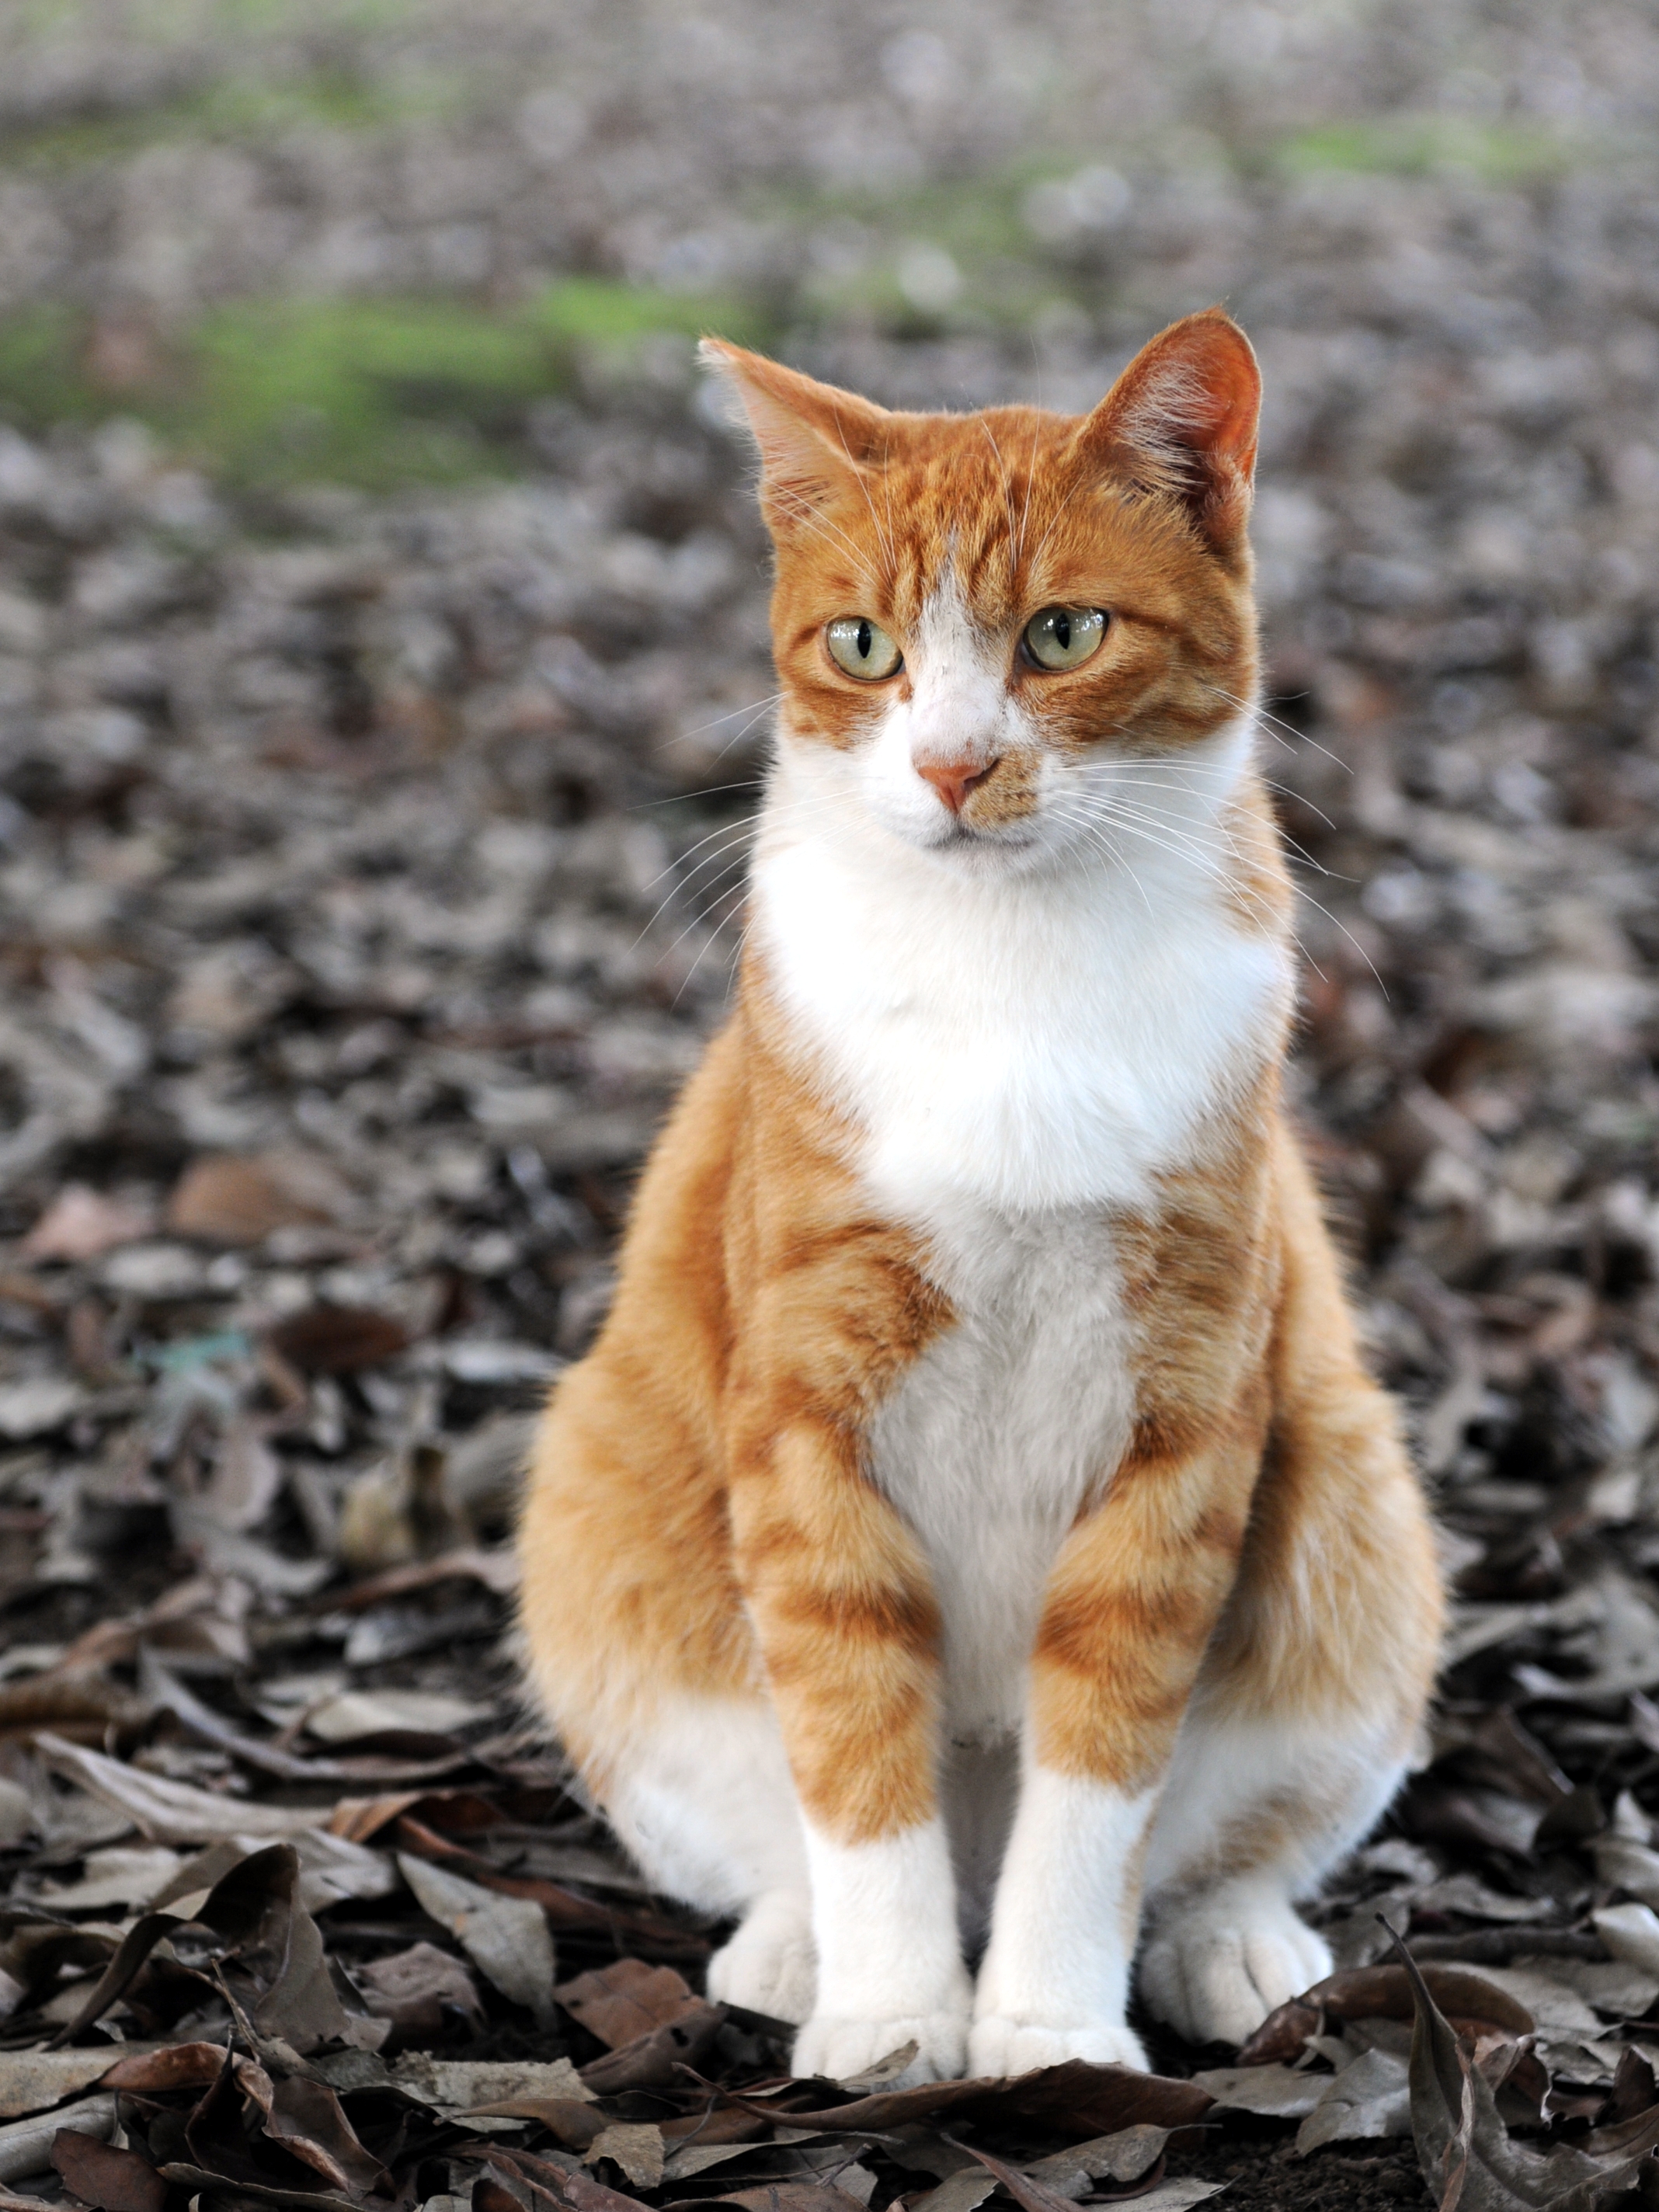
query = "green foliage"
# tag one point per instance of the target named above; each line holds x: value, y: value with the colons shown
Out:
x: 40, y: 378
x: 237, y: 111
x: 1419, y: 145
x: 370, y: 392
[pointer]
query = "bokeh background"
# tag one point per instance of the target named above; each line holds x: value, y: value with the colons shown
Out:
x: 383, y: 678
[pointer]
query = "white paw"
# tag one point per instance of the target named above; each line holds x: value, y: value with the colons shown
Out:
x: 769, y: 1965
x: 999, y: 2048
x: 839, y: 2047
x: 1218, y: 1965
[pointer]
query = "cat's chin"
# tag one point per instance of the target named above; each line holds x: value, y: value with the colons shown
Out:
x: 974, y: 851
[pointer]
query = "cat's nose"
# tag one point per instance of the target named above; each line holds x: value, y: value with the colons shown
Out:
x: 954, y: 779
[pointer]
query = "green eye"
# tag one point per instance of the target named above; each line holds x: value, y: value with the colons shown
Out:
x: 1065, y: 637
x: 861, y: 648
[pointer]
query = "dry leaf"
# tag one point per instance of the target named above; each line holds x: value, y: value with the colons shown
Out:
x: 111, y: 2179
x: 30, y: 2080
x: 1370, y: 2096
x: 465, y: 2085
x: 622, y: 2003
x: 506, y: 1938
x: 25, y: 2145
x: 330, y: 1340
x: 637, y: 2145
x: 168, y: 1812
x: 225, y: 1200
x: 419, y: 1990
x: 81, y: 1224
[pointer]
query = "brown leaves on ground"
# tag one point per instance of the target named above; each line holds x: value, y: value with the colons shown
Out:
x: 370, y: 869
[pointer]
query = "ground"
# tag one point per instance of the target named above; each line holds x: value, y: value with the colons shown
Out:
x: 383, y: 684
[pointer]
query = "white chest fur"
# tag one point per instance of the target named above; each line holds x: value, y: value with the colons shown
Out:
x: 996, y: 1434
x: 1027, y: 1043
x: 1023, y: 1053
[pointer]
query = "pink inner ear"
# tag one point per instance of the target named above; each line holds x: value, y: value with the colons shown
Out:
x: 1224, y: 368
x: 1195, y: 388
x: 1198, y: 386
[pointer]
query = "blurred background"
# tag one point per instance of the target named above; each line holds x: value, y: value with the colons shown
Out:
x: 384, y: 677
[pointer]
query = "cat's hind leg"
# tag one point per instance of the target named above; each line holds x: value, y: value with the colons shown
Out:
x: 1256, y: 1811
x: 638, y: 1652
x: 1309, y: 1704
x: 704, y: 1801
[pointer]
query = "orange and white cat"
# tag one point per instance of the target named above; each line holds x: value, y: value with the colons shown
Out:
x: 973, y: 1536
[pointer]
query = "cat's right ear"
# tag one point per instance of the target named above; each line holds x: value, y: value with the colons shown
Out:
x: 1181, y: 420
x: 814, y: 439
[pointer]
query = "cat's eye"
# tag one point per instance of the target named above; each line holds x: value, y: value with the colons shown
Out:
x: 861, y: 648
x: 1064, y: 637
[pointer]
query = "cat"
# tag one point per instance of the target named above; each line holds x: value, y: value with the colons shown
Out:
x: 974, y: 1535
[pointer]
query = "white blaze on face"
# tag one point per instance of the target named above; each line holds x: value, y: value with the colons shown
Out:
x: 959, y: 709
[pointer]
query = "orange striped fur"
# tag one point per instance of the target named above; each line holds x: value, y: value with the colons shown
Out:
x: 974, y: 1538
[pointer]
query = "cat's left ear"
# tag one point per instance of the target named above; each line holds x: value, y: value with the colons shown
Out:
x: 814, y: 439
x: 1181, y: 419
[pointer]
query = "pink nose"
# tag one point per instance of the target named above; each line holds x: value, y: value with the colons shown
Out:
x: 954, y: 779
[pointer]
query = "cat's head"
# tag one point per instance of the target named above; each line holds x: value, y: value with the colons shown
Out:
x: 985, y: 624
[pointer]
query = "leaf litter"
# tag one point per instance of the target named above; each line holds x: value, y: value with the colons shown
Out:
x: 367, y: 872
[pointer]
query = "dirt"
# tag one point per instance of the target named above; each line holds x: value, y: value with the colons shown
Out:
x: 371, y: 848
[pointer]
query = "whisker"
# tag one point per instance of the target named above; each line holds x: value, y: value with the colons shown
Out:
x: 1273, y: 725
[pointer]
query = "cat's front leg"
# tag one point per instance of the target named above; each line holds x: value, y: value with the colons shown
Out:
x: 1130, y: 1606
x: 1055, y: 1981
x: 842, y: 1602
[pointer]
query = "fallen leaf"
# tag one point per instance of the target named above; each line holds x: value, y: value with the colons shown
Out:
x: 1031, y: 2194
x: 656, y: 2059
x: 506, y: 1938
x: 245, y: 1480
x: 1462, y: 2146
x: 257, y: 1908
x: 111, y: 2179
x: 1123, y: 2157
x: 620, y: 2003
x: 331, y: 1870
x: 199, y: 2180
x: 36, y: 1406
x: 563, y: 1908
x: 497, y: 1569
x: 637, y: 2145
x: 1177, y: 2194
x: 579, y: 2192
x: 30, y: 2080
x: 1370, y: 2097
x: 1621, y: 1863
x: 1076, y: 2098
x: 154, y: 2073
x: 225, y: 1198
x: 419, y: 1990
x: 306, y: 2118
x: 1274, y: 2090
x: 25, y: 2145
x: 958, y: 2192
x: 330, y: 1340
x: 168, y: 1812
x: 1631, y: 1932
x: 368, y: 1712
x: 81, y: 1224
x: 116, y: 1876
x: 468, y: 2085
x: 1383, y: 1992
x: 793, y: 2196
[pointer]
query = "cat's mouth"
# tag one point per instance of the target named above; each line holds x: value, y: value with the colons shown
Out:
x: 960, y: 838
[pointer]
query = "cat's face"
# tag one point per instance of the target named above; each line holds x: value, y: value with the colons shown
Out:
x: 1008, y: 636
